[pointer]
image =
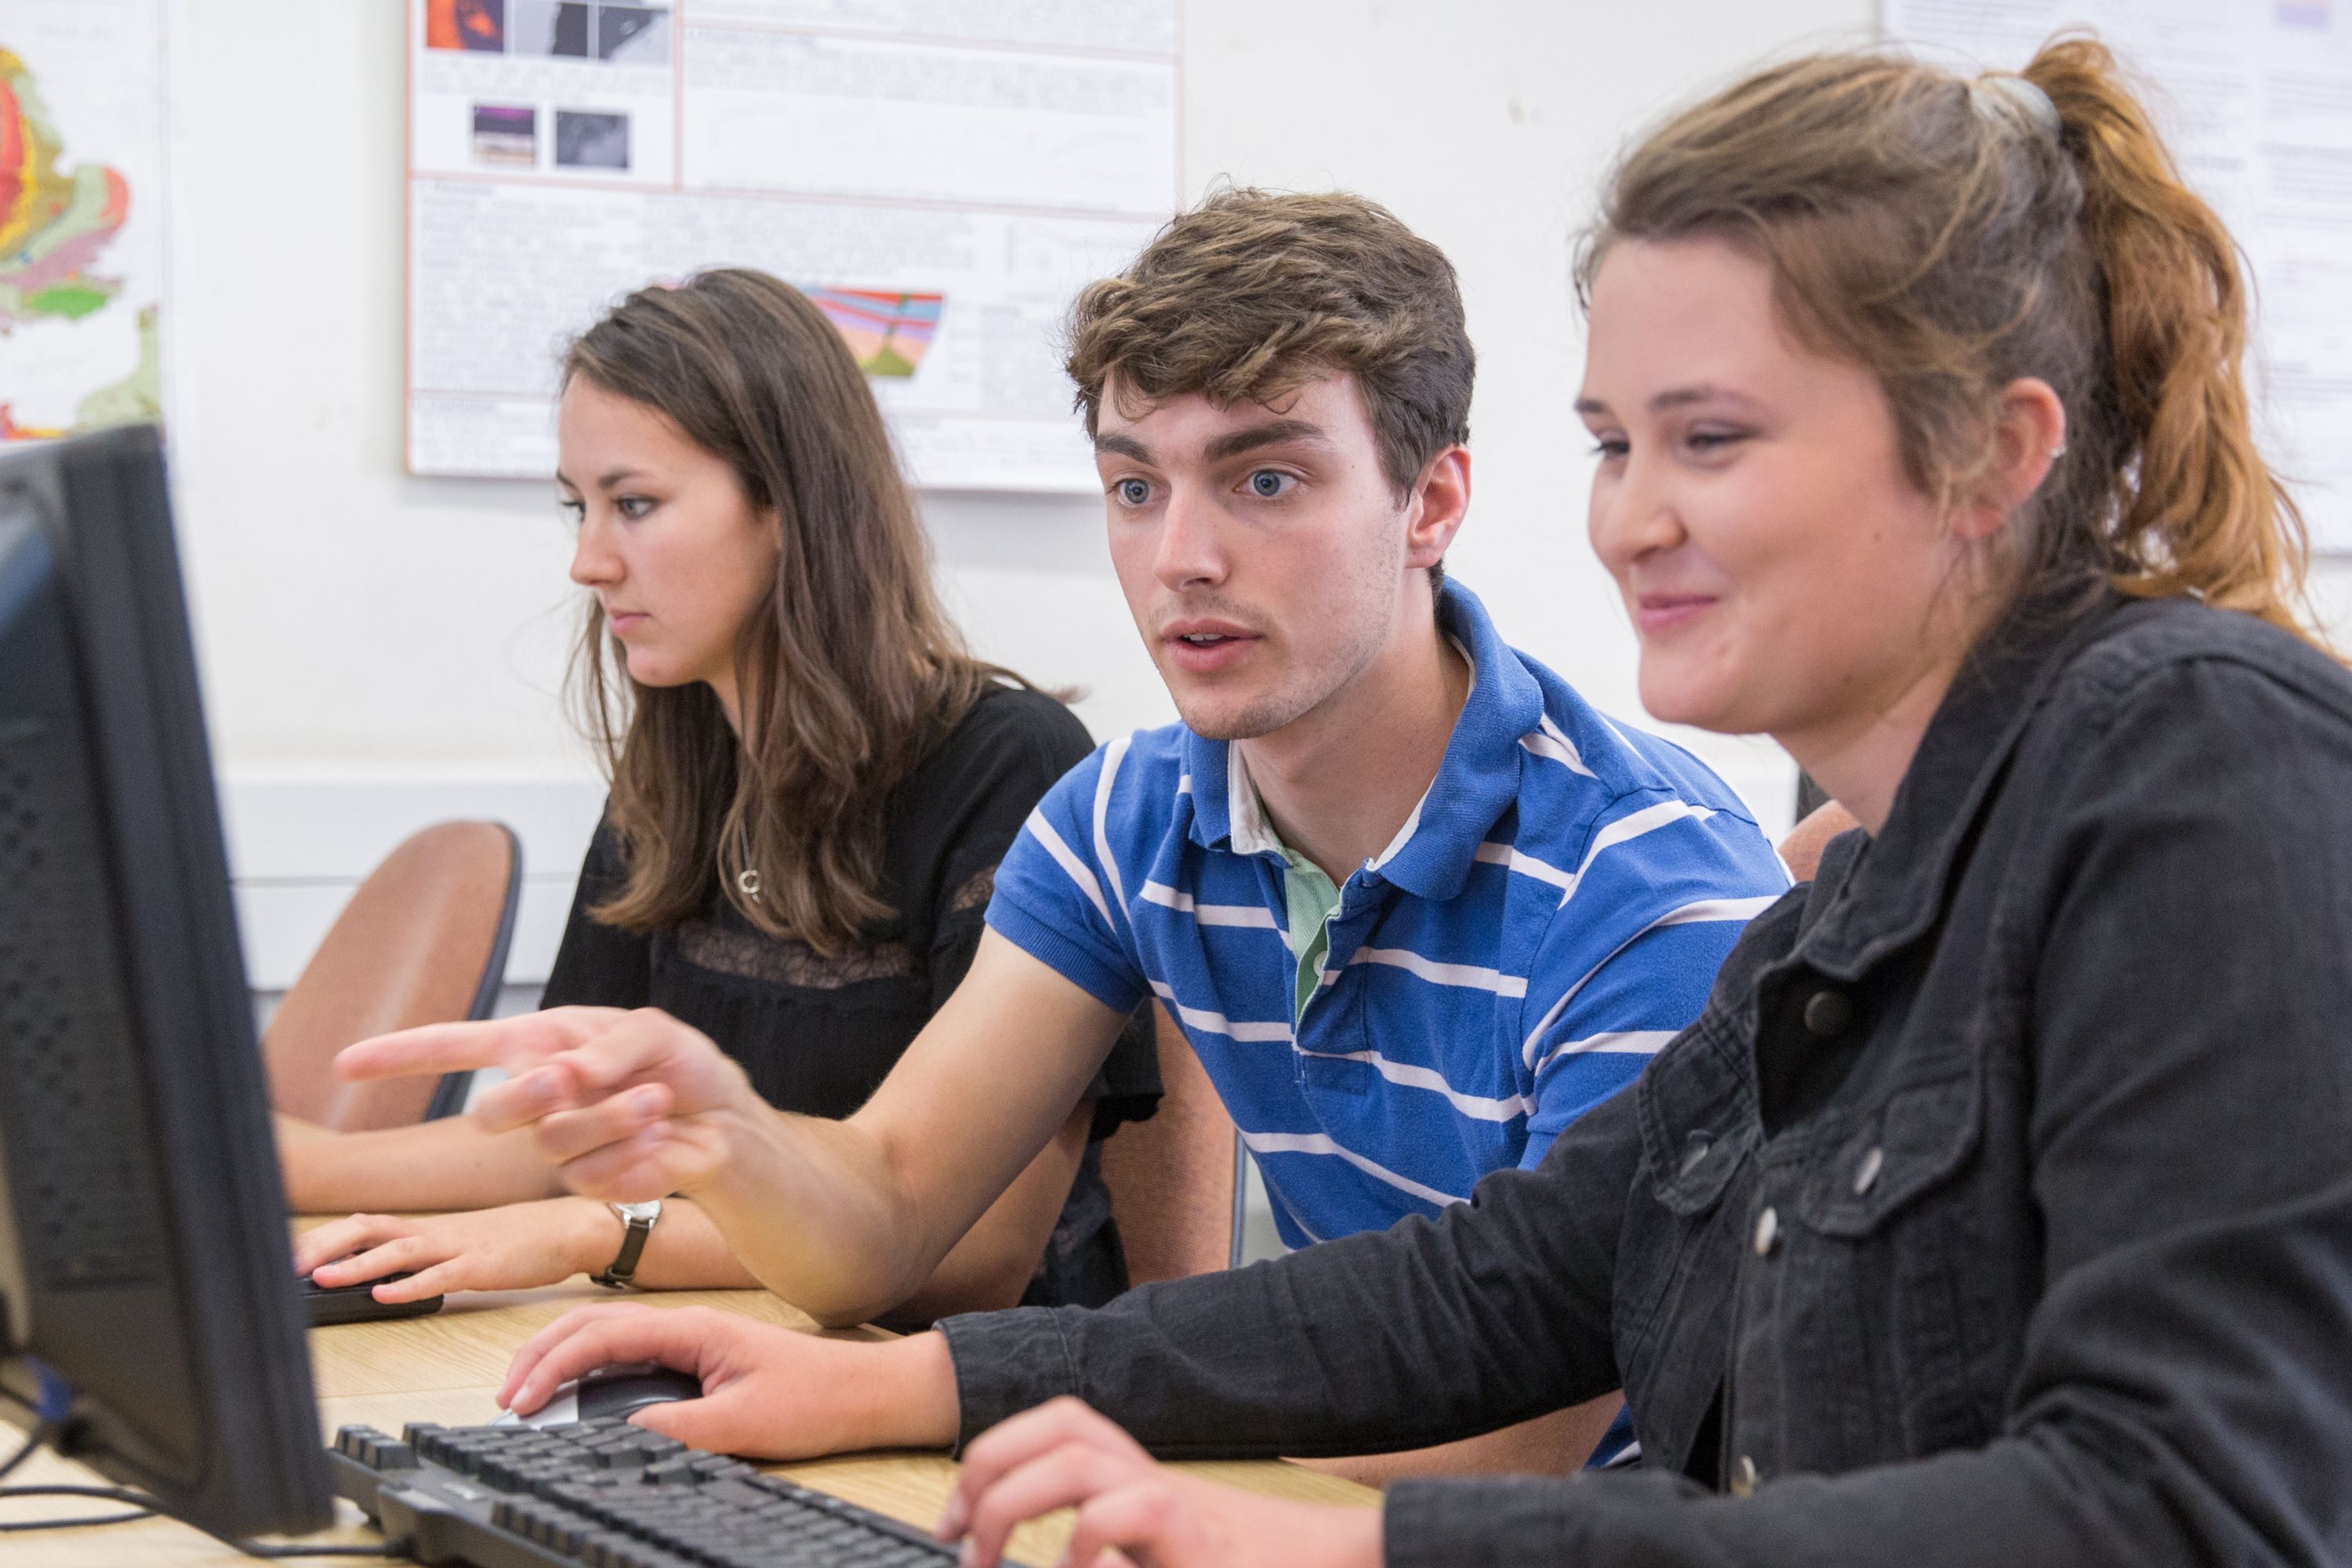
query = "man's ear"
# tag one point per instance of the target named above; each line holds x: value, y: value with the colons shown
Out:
x: 1439, y: 502
x: 2028, y: 436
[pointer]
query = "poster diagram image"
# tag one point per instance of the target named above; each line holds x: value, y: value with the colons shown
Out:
x: 465, y: 25
x: 567, y: 29
x: 886, y: 330
x: 57, y: 222
x: 885, y: 156
x: 590, y: 140
x: 505, y: 136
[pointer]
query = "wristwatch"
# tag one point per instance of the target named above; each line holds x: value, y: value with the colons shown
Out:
x: 639, y: 1219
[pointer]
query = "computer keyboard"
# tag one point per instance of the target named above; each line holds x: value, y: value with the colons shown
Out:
x: 606, y: 1494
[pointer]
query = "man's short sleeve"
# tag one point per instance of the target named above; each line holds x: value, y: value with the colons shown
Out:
x: 1631, y: 955
x: 1052, y: 896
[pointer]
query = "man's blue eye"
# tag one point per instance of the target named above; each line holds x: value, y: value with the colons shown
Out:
x: 1134, y: 493
x: 1268, y: 485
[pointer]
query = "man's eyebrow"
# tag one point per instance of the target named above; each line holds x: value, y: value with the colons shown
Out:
x: 1119, y: 445
x: 1274, y: 433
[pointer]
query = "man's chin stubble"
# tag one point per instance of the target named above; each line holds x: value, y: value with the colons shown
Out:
x: 1247, y: 724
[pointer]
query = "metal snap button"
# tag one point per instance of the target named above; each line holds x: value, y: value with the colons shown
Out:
x: 1865, y: 1176
x: 1768, y: 1233
x: 1828, y: 1012
x: 1696, y: 1149
x: 1743, y: 1476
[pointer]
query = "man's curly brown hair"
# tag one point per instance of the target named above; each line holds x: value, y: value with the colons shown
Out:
x: 1254, y: 293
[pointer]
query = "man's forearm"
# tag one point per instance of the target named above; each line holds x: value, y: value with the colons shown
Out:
x: 810, y: 1207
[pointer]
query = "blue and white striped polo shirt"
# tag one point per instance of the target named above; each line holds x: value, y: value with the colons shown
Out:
x: 1555, y: 909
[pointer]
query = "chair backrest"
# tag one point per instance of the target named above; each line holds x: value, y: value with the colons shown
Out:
x: 1173, y: 1179
x: 424, y: 941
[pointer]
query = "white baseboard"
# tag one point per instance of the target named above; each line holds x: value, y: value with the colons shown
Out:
x: 299, y: 845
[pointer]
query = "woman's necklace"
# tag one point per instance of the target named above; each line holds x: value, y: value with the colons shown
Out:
x: 747, y: 880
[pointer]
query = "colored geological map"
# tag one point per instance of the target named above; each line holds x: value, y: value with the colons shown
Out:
x: 54, y: 225
x: 888, y: 330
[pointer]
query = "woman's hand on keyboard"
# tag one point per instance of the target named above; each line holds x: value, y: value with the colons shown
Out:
x: 513, y: 1248
x: 768, y: 1392
x: 1064, y: 1455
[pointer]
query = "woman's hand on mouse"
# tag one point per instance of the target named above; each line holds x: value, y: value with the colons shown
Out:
x: 768, y: 1392
x: 513, y: 1248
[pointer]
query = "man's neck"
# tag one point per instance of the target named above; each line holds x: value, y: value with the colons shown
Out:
x: 1339, y: 783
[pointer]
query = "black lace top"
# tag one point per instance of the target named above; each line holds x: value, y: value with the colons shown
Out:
x: 818, y: 1035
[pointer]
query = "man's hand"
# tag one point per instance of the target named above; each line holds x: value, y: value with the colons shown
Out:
x: 630, y: 1106
x: 767, y: 1393
x: 1064, y: 1455
x: 512, y: 1247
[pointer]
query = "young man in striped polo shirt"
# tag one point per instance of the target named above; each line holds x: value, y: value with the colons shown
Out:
x: 1414, y: 904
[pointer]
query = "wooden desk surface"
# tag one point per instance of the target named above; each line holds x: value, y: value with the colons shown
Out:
x: 447, y: 1368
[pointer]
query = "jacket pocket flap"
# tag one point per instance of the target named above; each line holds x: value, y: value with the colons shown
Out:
x: 1698, y: 1119
x: 1919, y: 1137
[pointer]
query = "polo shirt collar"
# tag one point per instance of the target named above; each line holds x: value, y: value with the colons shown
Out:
x: 1476, y: 781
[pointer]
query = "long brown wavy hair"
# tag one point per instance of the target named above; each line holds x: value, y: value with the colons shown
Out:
x: 849, y: 671
x: 1952, y: 234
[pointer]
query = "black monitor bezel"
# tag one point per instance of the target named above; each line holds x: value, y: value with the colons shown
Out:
x: 102, y: 504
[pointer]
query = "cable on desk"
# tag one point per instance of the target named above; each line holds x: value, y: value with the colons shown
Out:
x: 381, y: 1549
x: 141, y: 1507
x: 42, y: 1432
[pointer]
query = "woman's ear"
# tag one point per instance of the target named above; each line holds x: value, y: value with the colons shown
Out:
x: 2028, y: 436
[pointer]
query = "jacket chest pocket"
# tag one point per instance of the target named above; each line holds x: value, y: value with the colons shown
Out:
x: 1888, y: 1291
x: 1672, y: 1297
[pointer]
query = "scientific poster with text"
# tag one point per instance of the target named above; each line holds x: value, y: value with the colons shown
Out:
x: 940, y: 176
x: 2255, y: 98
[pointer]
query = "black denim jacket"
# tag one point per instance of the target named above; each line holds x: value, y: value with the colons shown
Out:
x: 1998, y: 1210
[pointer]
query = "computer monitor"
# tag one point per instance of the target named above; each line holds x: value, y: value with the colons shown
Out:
x: 147, y: 1291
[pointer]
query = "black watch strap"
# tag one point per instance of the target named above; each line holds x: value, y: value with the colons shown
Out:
x: 624, y: 1267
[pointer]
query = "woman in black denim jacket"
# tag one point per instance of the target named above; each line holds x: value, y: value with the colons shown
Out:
x: 1998, y: 1209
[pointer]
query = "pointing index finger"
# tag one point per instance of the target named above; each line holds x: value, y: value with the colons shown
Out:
x: 461, y: 1047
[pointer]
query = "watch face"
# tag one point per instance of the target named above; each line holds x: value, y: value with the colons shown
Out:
x: 648, y: 1212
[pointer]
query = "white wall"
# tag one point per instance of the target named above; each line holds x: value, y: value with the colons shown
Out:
x: 380, y: 651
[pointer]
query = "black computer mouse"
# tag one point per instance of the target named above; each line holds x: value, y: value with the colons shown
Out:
x: 609, y: 1391
x: 618, y: 1390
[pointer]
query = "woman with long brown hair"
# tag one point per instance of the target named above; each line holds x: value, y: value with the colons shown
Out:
x: 1997, y: 1209
x: 812, y: 782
